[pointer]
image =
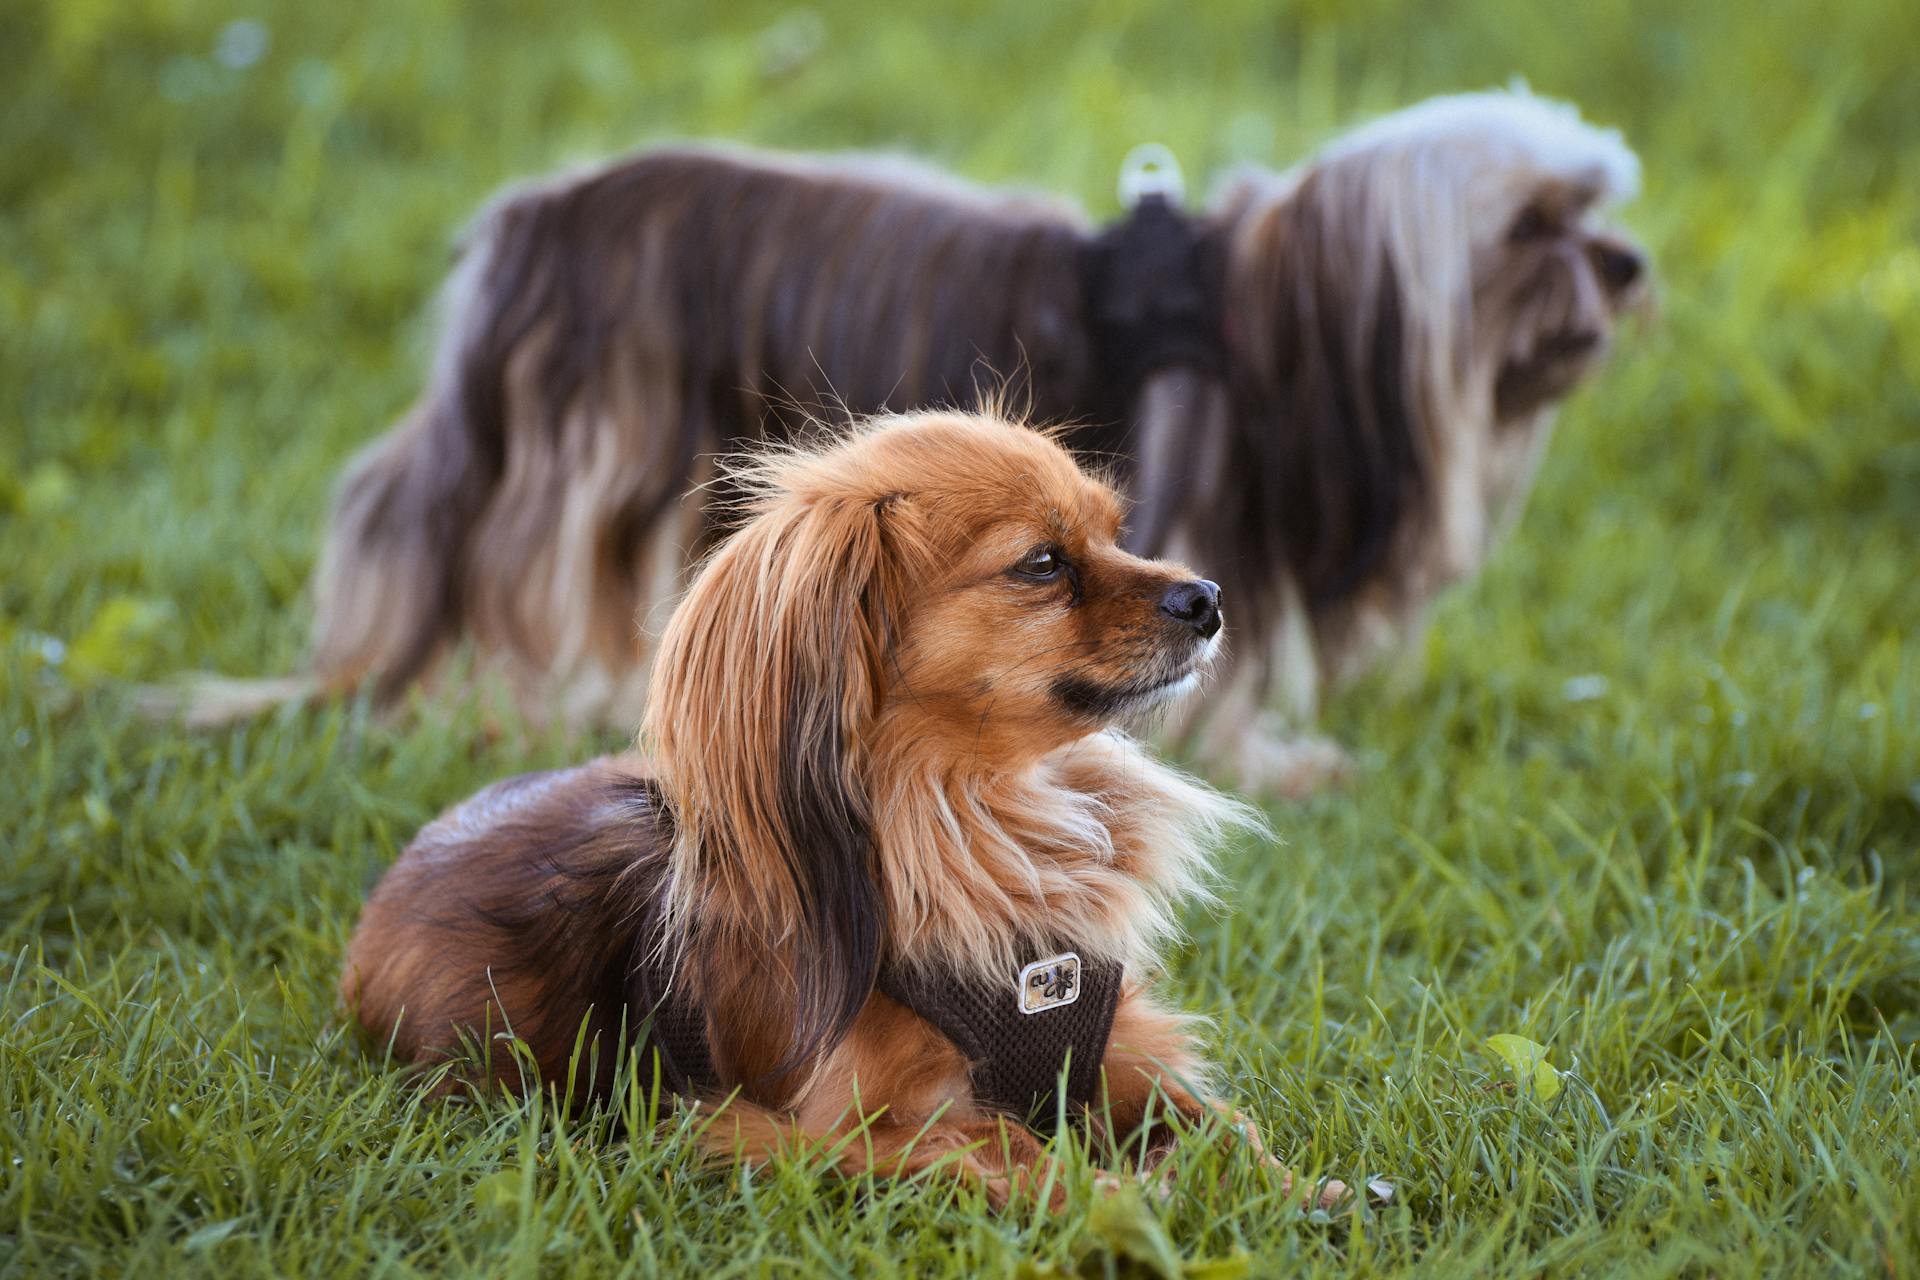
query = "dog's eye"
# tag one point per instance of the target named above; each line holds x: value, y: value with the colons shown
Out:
x: 1042, y: 564
x: 1532, y: 224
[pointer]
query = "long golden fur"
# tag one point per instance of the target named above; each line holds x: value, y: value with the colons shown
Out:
x: 1391, y: 328
x: 880, y: 733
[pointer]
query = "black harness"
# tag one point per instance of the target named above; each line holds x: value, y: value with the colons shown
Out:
x: 1055, y: 1014
x: 1154, y: 286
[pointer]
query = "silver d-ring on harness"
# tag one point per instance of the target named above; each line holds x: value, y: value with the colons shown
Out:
x: 1151, y: 169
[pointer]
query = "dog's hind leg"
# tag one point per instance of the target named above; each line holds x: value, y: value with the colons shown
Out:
x: 386, y: 595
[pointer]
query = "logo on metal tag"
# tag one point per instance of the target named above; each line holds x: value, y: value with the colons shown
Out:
x: 1050, y: 983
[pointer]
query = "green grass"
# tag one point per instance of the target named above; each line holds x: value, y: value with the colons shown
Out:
x: 1694, y: 887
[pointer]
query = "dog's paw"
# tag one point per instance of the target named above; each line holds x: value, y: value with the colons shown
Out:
x: 1290, y: 766
x: 1329, y: 1194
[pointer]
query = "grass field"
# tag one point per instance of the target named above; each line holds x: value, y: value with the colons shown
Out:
x: 1650, y: 796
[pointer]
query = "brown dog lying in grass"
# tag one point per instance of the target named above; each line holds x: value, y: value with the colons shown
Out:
x: 886, y: 863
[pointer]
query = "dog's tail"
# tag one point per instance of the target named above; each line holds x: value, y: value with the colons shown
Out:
x: 210, y: 701
x: 388, y: 593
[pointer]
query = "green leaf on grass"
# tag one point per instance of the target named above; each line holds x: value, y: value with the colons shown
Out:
x: 1127, y: 1227
x: 1529, y: 1063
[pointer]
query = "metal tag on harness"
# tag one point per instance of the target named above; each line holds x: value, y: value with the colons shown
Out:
x: 1050, y: 983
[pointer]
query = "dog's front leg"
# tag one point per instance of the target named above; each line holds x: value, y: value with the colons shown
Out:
x: 1266, y: 756
x: 894, y: 1099
x: 1153, y: 1066
x: 1235, y: 734
x: 1005, y: 1159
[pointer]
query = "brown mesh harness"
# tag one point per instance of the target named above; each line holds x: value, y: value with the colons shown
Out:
x: 1054, y: 1016
x: 1021, y: 1036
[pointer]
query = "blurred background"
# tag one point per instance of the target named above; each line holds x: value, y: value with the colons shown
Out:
x: 1650, y: 792
x: 224, y: 224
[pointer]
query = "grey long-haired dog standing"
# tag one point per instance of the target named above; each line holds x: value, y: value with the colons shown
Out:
x: 1328, y: 390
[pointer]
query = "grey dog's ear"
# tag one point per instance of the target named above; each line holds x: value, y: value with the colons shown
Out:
x: 1334, y: 351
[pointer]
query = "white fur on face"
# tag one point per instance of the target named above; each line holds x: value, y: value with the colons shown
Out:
x: 1512, y: 127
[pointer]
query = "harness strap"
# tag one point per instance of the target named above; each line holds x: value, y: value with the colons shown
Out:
x: 1016, y: 1037
x: 676, y: 1026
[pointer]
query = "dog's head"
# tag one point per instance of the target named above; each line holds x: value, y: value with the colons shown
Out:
x: 1408, y: 306
x: 951, y: 579
x: 1499, y: 197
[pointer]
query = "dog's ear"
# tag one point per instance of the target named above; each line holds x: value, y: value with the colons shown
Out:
x: 1345, y: 338
x: 766, y: 685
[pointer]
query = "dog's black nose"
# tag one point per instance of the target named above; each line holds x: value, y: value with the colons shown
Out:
x: 1619, y: 265
x: 1195, y: 603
